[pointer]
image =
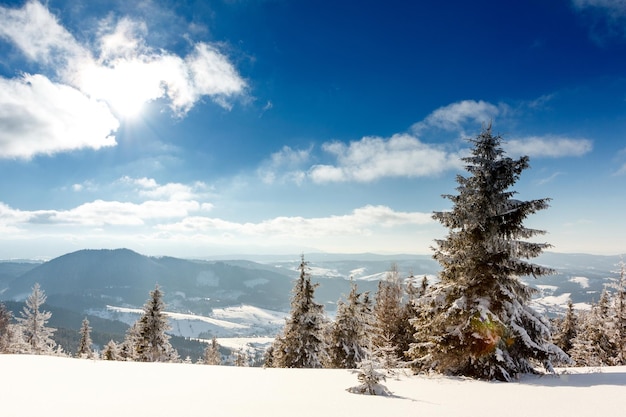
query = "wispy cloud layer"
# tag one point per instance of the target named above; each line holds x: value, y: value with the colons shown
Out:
x: 456, y: 116
x: 360, y: 221
x: 548, y: 146
x: 176, y: 212
x: 613, y: 7
x: 100, y: 83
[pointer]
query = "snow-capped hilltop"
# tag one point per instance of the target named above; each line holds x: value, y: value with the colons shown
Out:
x: 236, y: 321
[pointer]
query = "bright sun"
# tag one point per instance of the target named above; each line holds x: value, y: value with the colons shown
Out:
x: 126, y: 87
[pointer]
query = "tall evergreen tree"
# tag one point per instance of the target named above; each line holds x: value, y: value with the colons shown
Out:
x: 84, y: 345
x: 302, y: 345
x: 476, y: 320
x: 392, y: 332
x: 33, y: 323
x: 349, y: 339
x: 152, y: 344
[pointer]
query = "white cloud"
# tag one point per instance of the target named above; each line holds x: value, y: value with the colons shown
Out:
x: 548, y: 146
x: 404, y: 155
x: 361, y: 221
x: 122, y: 71
x: 99, y: 213
x: 153, y: 203
x: 288, y: 164
x: 549, y: 179
x: 149, y: 188
x: 455, y: 116
x: 38, y: 34
x: 372, y: 158
x: 38, y: 116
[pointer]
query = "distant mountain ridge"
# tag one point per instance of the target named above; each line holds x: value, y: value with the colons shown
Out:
x: 88, y: 282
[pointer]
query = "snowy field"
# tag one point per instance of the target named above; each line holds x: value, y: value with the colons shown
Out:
x: 38, y: 386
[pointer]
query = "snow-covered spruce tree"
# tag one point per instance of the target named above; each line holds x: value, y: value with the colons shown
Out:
x: 566, y: 329
x: 301, y: 345
x: 476, y: 320
x: 127, y: 349
x: 212, y: 355
x: 152, y: 344
x: 348, y: 336
x: 84, y: 345
x: 33, y: 324
x: 391, y: 324
x: 241, y: 358
x: 5, y: 322
x: 619, y: 316
x: 594, y: 344
x: 111, y: 352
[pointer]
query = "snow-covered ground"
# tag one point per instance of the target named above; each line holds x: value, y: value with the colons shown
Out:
x: 51, y: 386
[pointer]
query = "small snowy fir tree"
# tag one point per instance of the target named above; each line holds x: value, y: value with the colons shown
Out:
x: 370, y: 378
x: 84, y: 345
x: 348, y: 334
x: 212, y: 355
x: 301, y: 345
x: 476, y: 321
x: 5, y: 322
x: 268, y: 358
x: 111, y: 352
x: 33, y: 324
x: 11, y: 336
x: 619, y: 315
x: 241, y: 358
x: 127, y: 350
x: 152, y: 344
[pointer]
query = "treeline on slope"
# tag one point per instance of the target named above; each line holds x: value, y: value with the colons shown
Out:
x: 146, y: 340
x: 596, y: 337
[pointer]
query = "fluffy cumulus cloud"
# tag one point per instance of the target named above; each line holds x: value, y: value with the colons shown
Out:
x: 39, y: 116
x: 372, y: 158
x: 406, y: 155
x: 88, y: 88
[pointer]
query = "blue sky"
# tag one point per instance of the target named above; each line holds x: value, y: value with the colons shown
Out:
x: 247, y: 126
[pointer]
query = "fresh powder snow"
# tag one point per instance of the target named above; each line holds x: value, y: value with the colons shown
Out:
x: 36, y: 386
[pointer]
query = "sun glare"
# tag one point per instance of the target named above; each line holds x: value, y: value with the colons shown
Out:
x: 126, y: 87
